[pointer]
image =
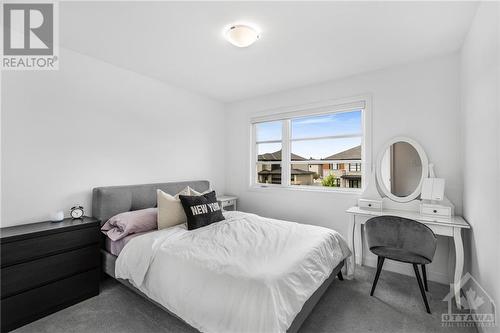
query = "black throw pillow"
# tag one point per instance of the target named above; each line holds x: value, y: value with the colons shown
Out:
x: 201, y: 210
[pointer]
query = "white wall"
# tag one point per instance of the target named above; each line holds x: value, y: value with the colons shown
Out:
x: 93, y: 124
x: 419, y: 100
x: 480, y: 91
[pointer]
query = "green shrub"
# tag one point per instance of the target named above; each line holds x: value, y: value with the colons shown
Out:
x: 328, y: 181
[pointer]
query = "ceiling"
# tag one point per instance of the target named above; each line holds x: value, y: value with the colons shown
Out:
x: 181, y: 43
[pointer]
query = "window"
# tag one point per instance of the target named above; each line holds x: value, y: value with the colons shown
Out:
x: 320, y: 149
x: 268, y: 144
x: 337, y: 182
x: 355, y: 167
x: 354, y: 183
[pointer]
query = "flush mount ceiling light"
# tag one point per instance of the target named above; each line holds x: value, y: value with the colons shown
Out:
x: 241, y: 35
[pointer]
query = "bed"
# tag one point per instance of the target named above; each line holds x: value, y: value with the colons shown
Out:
x: 246, y: 273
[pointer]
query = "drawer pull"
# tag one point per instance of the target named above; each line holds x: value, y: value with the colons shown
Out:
x: 435, y: 211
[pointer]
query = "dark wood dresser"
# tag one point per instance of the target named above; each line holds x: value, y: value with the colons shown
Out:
x: 46, y: 267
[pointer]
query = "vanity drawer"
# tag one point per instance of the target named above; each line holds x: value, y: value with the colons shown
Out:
x: 370, y: 204
x: 435, y: 210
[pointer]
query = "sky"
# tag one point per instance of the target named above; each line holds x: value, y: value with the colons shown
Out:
x: 316, y: 126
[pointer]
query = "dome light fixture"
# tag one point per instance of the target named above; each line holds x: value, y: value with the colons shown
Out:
x: 241, y: 35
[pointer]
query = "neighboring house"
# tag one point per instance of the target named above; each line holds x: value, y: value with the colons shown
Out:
x: 271, y: 173
x: 346, y: 168
x: 316, y: 168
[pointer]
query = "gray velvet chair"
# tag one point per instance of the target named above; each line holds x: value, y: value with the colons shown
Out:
x: 403, y: 240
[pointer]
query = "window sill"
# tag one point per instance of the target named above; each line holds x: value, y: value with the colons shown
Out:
x: 273, y: 187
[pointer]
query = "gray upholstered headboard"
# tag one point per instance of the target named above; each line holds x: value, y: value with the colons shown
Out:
x: 111, y: 200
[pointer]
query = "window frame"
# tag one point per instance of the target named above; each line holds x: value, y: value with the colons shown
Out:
x: 357, y: 167
x: 316, y: 109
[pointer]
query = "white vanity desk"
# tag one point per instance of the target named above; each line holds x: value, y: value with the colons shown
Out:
x: 450, y: 227
x: 403, y: 184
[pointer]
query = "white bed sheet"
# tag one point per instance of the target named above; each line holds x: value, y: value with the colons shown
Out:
x: 244, y: 274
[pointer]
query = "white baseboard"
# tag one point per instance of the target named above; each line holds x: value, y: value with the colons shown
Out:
x: 406, y: 269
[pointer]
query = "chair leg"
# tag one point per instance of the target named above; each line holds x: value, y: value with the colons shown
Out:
x: 421, y: 286
x: 380, y: 263
x: 340, y: 276
x: 424, y: 276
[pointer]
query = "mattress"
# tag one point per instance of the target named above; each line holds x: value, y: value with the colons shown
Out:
x: 244, y: 274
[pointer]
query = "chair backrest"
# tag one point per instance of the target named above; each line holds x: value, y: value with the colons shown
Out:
x: 401, y: 233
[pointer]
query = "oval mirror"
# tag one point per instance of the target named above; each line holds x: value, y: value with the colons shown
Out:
x: 401, y: 167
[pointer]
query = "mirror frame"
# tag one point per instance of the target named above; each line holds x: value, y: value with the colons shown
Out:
x: 425, y: 169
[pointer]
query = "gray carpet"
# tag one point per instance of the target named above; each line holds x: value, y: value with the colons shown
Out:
x: 346, y: 307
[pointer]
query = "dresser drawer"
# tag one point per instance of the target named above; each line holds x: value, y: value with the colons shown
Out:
x: 23, y: 308
x: 31, y: 248
x: 31, y: 274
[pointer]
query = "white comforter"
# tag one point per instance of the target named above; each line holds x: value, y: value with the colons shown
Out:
x: 244, y: 274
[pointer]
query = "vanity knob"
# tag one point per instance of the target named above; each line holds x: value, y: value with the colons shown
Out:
x: 435, y: 211
x: 369, y: 205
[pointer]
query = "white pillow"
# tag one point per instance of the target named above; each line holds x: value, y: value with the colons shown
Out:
x: 196, y: 193
x: 170, y: 211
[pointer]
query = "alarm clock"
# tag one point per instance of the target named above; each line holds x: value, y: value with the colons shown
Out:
x: 76, y: 212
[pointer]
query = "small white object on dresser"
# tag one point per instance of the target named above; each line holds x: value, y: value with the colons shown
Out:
x: 433, y: 201
x: 227, y: 202
x: 57, y: 216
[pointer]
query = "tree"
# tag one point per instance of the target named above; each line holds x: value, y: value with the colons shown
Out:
x: 329, y: 181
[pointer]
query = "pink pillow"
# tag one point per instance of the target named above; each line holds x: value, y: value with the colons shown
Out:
x: 133, y: 222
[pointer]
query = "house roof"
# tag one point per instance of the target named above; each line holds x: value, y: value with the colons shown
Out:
x: 276, y: 156
x: 277, y: 171
x: 349, y: 154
